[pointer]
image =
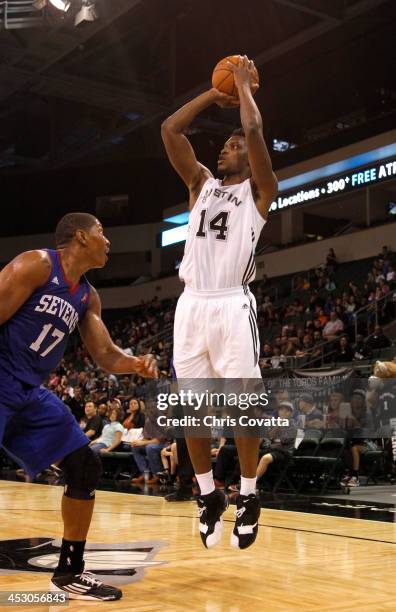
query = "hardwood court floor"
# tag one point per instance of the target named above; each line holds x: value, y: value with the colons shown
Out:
x: 300, y: 561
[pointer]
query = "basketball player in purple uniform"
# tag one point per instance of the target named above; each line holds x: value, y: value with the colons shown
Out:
x: 44, y: 296
x: 215, y: 333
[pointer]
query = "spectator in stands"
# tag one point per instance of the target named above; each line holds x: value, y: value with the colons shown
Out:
x: 322, y: 317
x: 103, y: 411
x: 321, y: 280
x: 114, y: 404
x: 360, y: 418
x: 111, y: 434
x: 309, y: 417
x: 378, y: 340
x: 265, y: 358
x: 360, y: 350
x: 378, y: 273
x: 331, y: 261
x: 354, y: 289
x: 350, y: 305
x: 382, y: 289
x: 317, y: 335
x: 344, y: 351
x: 330, y: 285
x: 277, y: 341
x: 385, y: 253
x: 267, y: 304
x: 185, y: 470
x: 297, y: 283
x: 226, y: 469
x: 135, y: 414
x: 281, y: 439
x: 333, y: 327
x: 169, y: 464
x: 317, y: 352
x: 391, y: 276
x: 126, y: 388
x: 306, y: 347
x: 333, y: 419
x: 384, y: 266
x: 277, y: 360
x: 53, y: 380
x: 370, y: 284
x: 82, y: 379
x: 76, y: 403
x: 280, y: 396
x: 141, y: 388
x: 316, y: 327
x: 92, y: 424
x: 300, y: 336
x: 147, y: 451
x: 339, y: 310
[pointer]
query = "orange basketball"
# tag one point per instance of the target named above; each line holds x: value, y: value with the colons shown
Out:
x: 223, y: 77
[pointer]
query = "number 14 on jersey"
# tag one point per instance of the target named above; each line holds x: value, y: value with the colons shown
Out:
x: 218, y: 224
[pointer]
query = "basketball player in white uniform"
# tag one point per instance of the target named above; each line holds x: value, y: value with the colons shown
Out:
x: 215, y: 332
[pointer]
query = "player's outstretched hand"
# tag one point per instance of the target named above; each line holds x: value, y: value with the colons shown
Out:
x: 147, y: 366
x: 223, y: 100
x: 245, y: 72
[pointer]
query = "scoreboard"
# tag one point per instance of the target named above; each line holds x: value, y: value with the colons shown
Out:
x: 334, y: 179
x: 344, y: 183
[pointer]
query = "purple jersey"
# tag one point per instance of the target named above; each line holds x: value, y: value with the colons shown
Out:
x: 33, y: 341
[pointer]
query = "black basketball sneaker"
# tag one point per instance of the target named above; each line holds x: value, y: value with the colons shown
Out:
x: 246, y: 523
x: 84, y: 586
x: 210, y: 508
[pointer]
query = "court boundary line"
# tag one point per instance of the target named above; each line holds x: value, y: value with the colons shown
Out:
x: 310, y: 531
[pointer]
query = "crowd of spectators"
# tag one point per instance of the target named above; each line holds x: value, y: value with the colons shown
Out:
x: 319, y: 325
x: 362, y: 415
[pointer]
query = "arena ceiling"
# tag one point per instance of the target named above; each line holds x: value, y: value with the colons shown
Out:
x: 81, y: 107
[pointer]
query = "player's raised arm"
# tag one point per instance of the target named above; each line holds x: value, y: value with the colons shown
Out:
x: 103, y: 350
x: 179, y: 150
x: 263, y: 177
x: 19, y: 279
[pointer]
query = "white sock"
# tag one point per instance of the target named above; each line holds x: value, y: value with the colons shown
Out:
x: 206, y: 482
x: 248, y: 485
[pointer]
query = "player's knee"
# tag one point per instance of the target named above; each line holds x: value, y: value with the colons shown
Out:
x: 82, y: 470
x: 266, y: 459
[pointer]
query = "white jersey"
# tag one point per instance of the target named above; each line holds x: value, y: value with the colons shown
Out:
x: 223, y: 231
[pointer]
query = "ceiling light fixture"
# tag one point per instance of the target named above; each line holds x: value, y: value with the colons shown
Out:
x: 62, y: 5
x: 86, y: 13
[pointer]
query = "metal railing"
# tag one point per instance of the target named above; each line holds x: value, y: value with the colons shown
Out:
x: 166, y: 334
x: 306, y: 360
x: 374, y: 307
x: 16, y: 14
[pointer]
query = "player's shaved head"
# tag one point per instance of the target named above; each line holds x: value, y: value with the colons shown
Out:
x: 70, y: 224
x: 238, y: 132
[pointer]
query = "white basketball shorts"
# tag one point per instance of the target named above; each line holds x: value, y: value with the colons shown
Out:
x: 216, y: 335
